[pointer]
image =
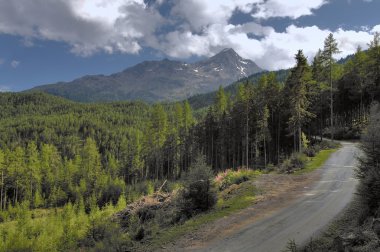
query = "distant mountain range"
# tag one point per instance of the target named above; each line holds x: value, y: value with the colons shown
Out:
x: 153, y: 81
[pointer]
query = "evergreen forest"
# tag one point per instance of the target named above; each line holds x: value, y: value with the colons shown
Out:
x: 66, y: 167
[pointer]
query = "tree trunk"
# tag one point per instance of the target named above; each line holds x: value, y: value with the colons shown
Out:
x: 212, y: 150
x: 265, y: 153
x: 246, y: 140
x: 331, y: 102
x: 299, y: 139
x: 278, y: 139
x: 257, y: 154
x: 2, y: 189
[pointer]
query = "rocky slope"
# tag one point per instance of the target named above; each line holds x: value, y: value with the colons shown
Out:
x: 153, y: 81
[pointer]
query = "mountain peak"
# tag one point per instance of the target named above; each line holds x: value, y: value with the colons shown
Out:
x: 228, y: 51
x: 162, y: 80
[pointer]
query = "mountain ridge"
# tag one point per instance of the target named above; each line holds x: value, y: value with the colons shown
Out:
x: 152, y: 81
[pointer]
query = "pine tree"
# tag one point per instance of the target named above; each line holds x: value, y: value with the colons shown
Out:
x: 91, y: 165
x: 188, y: 122
x: 373, y: 80
x: 296, y: 85
x: 177, y: 138
x: 329, y: 50
x: 319, y: 89
x: 244, y: 97
x: 158, y: 130
x: 188, y: 119
x: 2, y: 174
x: 17, y: 174
x: 273, y: 94
x: 33, y: 170
x: 137, y: 157
x: 221, y: 102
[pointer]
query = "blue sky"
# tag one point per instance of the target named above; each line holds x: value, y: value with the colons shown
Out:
x: 45, y: 42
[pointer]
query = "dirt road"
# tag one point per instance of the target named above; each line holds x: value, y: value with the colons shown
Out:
x: 291, y: 207
x: 305, y: 217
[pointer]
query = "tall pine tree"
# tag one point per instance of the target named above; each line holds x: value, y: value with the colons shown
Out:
x: 329, y: 50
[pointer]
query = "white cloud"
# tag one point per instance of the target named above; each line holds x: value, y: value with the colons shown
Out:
x: 253, y: 28
x: 194, y: 27
x: 87, y: 25
x: 200, y: 13
x: 2, y: 61
x: 15, y: 63
x: 293, y: 8
x: 376, y: 29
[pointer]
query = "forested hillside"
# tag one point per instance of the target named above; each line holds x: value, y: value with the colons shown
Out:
x: 204, y: 100
x: 82, y: 159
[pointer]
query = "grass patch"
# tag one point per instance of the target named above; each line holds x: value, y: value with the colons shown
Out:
x: 316, y: 162
x: 233, y: 199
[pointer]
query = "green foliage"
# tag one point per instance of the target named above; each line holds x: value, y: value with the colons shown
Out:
x: 297, y: 90
x: 56, y: 153
x: 296, y: 161
x: 369, y: 170
x: 149, y: 188
x: 304, y: 140
x: 221, y: 101
x: 317, y: 161
x: 63, y: 229
x: 197, y: 194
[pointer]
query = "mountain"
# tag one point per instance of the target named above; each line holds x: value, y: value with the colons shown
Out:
x: 153, y: 81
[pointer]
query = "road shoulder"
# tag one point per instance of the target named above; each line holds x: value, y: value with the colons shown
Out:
x: 277, y: 191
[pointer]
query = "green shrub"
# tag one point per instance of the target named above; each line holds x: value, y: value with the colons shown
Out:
x: 149, y: 188
x: 197, y: 194
x: 312, y: 150
x: 270, y: 167
x: 296, y: 161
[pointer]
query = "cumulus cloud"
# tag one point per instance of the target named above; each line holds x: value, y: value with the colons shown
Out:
x: 376, y: 29
x: 199, y: 13
x: 88, y: 26
x: 15, y: 63
x: 293, y: 9
x: 186, y: 27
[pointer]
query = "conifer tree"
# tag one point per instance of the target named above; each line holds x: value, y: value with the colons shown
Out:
x: 329, y: 50
x: 158, y: 130
x: 373, y: 80
x: 296, y: 85
x: 221, y: 102
x: 33, y: 170
x: 2, y: 174
x: 188, y: 119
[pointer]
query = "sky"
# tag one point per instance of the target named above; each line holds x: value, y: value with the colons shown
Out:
x: 47, y: 41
